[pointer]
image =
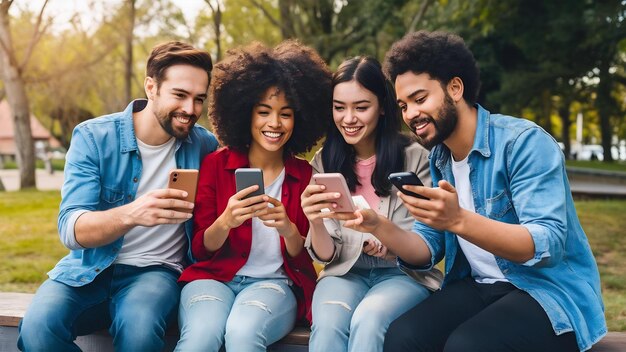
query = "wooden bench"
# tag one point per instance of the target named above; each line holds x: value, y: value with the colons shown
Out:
x: 13, y: 306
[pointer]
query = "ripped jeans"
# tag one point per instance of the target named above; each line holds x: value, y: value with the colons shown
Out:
x: 245, y: 314
x: 352, y: 312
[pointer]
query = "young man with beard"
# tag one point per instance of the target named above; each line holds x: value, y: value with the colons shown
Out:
x: 519, y: 272
x: 127, y: 244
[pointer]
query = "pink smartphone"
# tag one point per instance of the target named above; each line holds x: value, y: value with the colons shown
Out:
x: 335, y: 182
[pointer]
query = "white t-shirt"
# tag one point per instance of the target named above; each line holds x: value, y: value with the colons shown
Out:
x: 161, y: 244
x: 265, y: 259
x: 484, y: 267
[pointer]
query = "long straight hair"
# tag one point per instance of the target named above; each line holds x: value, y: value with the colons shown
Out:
x: 339, y: 156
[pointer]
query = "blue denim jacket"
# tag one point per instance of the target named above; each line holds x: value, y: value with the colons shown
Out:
x: 102, y: 171
x: 517, y: 174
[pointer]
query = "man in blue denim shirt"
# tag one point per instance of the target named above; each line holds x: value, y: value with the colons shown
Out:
x: 520, y: 274
x: 128, y: 244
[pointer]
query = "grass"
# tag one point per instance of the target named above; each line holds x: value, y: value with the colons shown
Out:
x: 57, y: 164
x: 598, y: 165
x: 30, y: 245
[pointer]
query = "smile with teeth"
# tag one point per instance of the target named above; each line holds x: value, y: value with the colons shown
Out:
x: 351, y: 130
x: 272, y: 134
x: 183, y: 118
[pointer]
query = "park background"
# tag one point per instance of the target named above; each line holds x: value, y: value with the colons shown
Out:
x: 560, y: 63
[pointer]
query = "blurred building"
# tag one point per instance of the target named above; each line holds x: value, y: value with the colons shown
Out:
x: 41, y: 135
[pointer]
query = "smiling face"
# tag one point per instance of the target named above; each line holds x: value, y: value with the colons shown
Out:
x: 356, y: 111
x: 177, y: 102
x: 426, y: 108
x: 272, y: 121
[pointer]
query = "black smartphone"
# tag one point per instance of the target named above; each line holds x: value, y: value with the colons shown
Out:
x: 399, y: 179
x: 246, y: 177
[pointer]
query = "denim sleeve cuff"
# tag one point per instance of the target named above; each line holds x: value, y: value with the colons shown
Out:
x: 68, y: 236
x: 539, y: 235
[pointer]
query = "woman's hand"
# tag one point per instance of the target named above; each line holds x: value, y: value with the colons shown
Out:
x: 314, y: 199
x: 365, y: 220
x: 374, y: 248
x: 277, y: 217
x: 238, y: 210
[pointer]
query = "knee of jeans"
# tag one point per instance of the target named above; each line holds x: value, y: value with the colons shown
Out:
x: 344, y: 306
x: 200, y: 298
x: 259, y: 303
x: 239, y: 333
x: 464, y: 340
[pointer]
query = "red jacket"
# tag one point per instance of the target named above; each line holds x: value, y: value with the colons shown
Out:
x: 215, y: 187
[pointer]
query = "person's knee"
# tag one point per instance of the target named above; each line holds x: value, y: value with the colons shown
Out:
x: 405, y: 337
x: 139, y: 333
x: 466, y: 340
x: 40, y: 329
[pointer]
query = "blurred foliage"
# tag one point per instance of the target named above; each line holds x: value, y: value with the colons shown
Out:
x: 546, y: 61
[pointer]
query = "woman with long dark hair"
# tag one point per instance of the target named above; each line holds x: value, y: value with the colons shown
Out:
x: 361, y: 290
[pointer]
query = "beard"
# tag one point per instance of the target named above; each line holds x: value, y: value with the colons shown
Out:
x: 444, y: 124
x: 166, y: 120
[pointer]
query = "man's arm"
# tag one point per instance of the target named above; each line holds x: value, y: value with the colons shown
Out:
x: 99, y: 228
x: 81, y: 221
x: 405, y: 244
x: 537, y: 187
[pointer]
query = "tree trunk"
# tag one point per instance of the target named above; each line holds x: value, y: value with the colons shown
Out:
x: 18, y: 101
x: 128, y: 79
x: 604, y: 104
x: 566, y: 124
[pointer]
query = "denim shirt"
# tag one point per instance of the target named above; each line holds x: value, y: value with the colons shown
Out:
x: 102, y: 171
x: 518, y: 176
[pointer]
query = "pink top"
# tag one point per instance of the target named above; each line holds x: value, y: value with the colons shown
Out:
x: 364, y: 170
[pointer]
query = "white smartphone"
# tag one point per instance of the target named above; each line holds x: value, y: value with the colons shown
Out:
x: 335, y: 182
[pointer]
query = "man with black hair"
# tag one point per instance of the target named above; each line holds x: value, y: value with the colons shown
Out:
x: 519, y: 272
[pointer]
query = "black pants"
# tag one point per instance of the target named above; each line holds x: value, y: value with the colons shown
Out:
x: 468, y: 316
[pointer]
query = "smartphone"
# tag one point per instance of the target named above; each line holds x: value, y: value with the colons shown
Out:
x: 186, y: 180
x: 399, y: 179
x: 335, y: 182
x: 246, y: 177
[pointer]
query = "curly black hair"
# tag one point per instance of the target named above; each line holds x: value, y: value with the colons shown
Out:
x: 240, y: 80
x: 442, y: 55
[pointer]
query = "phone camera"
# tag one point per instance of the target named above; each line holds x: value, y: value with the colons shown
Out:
x: 174, y: 179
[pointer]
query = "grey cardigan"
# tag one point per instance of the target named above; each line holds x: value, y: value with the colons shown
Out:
x: 349, y: 243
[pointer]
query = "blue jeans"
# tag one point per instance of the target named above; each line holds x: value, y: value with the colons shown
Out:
x: 248, y: 314
x: 352, y: 312
x: 134, y: 303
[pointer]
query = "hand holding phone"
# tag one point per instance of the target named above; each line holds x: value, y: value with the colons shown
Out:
x: 186, y: 180
x: 335, y: 182
x: 246, y: 177
x: 399, y: 179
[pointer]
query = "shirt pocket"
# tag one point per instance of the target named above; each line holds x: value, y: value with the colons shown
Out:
x: 500, y: 207
x: 111, y: 197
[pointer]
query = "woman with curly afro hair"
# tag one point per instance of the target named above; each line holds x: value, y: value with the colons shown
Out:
x: 253, y: 281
